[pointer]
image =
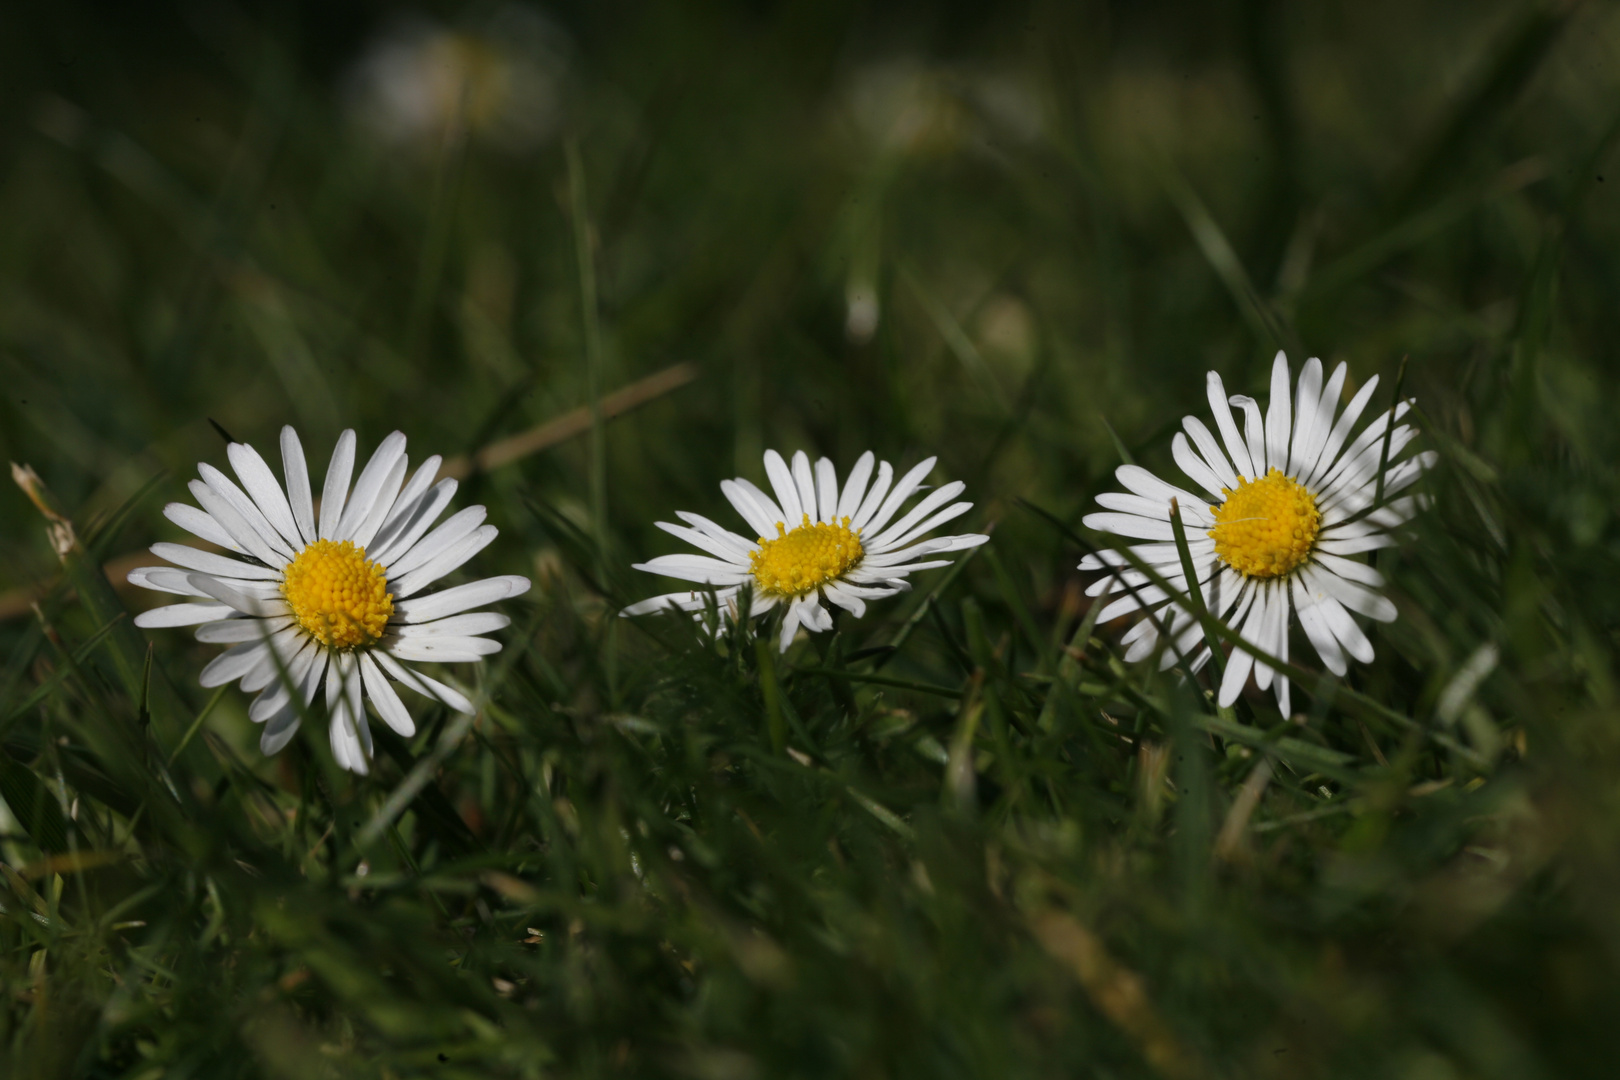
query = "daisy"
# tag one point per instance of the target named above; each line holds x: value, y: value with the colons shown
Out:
x: 1289, y: 498
x: 333, y: 595
x: 816, y: 542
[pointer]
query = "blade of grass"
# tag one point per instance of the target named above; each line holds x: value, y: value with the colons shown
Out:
x: 591, y: 324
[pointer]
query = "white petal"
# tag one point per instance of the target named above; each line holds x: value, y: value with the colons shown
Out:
x: 1355, y: 545
x: 1275, y: 630
x: 181, y: 615
x: 409, y: 499
x: 170, y: 580
x: 1227, y: 595
x: 960, y: 542
x: 1210, y: 451
x: 1398, y: 512
x: 1184, y: 633
x: 343, y: 723
x: 1131, y: 525
x: 855, y: 486
x: 1327, y: 405
x: 1370, y: 437
x: 895, y: 557
x: 336, y: 488
x: 1317, y: 629
x: 424, y: 685
x: 355, y: 690
x: 442, y: 650
x: 196, y: 559
x: 1360, y: 463
x: 827, y: 490
x: 935, y: 499
x: 804, y: 483
x: 846, y: 597
x: 1348, y: 568
x: 711, y: 529
x: 163, y: 579
x: 729, y: 547
x: 477, y: 622
x: 296, y: 472
x: 456, y: 528
x: 382, y: 695
x: 790, y: 627
x: 1195, y: 467
x: 1146, y: 596
x: 226, y: 489
x: 755, y: 507
x: 1280, y: 414
x: 1307, y: 395
x: 279, y: 731
x: 461, y: 598
x: 233, y: 663
x: 1350, y: 499
x: 199, y: 524
x: 1254, y: 431
x: 874, y: 497
x: 1341, y: 431
x: 303, y: 675
x: 244, y: 536
x: 232, y: 631
x: 903, y: 490
x: 1357, y: 598
x: 1143, y: 638
x: 1351, y: 529
x: 1241, y: 663
x: 400, y: 537
x: 446, y: 561
x: 1344, y: 628
x: 370, y: 486
x: 1139, y: 481
x: 383, y: 506
x: 698, y: 568
x: 893, y: 573
x: 261, y: 486
x: 691, y: 600
x: 813, y: 615
x: 1193, y: 514
x: 950, y: 513
x: 284, y: 644
x: 1164, y: 554
x: 237, y: 598
x: 1222, y: 411
x: 787, y: 492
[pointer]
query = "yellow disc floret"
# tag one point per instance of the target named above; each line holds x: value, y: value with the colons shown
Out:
x: 337, y: 596
x: 1266, y: 527
x: 796, y: 563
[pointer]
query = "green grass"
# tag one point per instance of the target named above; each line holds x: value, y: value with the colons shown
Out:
x: 992, y: 851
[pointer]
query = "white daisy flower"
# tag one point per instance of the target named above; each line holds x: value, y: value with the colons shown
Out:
x: 333, y: 596
x: 1292, y: 497
x: 841, y: 547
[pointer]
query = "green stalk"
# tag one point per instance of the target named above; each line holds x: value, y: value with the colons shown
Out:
x: 586, y: 263
x: 1195, y: 593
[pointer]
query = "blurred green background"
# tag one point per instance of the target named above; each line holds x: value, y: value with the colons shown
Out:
x: 1015, y: 236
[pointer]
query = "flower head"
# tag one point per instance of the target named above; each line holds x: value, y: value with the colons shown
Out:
x: 332, y: 596
x: 815, y: 542
x: 1287, y: 501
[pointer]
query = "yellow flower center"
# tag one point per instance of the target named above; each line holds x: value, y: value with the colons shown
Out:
x: 337, y: 596
x: 1266, y: 527
x: 795, y: 563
